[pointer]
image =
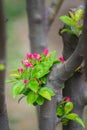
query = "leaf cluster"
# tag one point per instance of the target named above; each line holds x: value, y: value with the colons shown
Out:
x: 30, y: 82
x: 74, y: 22
x: 64, y: 111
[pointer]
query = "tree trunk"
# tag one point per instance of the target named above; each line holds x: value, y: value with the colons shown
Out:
x: 74, y: 86
x: 37, y: 21
x: 3, y: 112
x: 38, y: 28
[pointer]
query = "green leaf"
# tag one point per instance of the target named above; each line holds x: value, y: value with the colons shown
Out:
x: 35, y: 103
x: 75, y: 118
x: 33, y: 85
x: 79, y: 121
x: 60, y: 110
x: 67, y: 20
x: 50, y: 60
x: 72, y: 15
x: 49, y: 90
x: 40, y: 100
x: 44, y: 79
x: 68, y: 107
x: 26, y: 74
x: 47, y: 65
x: 43, y: 68
x: 44, y: 92
x: 39, y: 71
x: 67, y: 30
x: 10, y: 80
x: 25, y: 91
x: 79, y: 14
x: 31, y: 97
x: 71, y: 116
x: 17, y: 88
x: 56, y: 62
x: 53, y: 56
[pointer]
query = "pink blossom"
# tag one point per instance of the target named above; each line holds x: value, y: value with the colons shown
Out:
x: 31, y: 65
x: 36, y: 56
x: 61, y: 58
x: 25, y: 61
x: 28, y: 65
x: 25, y: 81
x: 29, y: 56
x: 67, y: 99
x: 20, y: 70
x: 45, y: 51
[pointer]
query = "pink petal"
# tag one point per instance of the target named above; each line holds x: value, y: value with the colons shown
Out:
x: 61, y: 58
x: 45, y: 51
x: 25, y: 81
x: 29, y: 56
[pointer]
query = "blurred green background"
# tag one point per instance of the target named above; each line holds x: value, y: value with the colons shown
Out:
x: 15, y: 13
x: 22, y: 116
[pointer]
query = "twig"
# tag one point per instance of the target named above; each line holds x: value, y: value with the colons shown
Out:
x: 53, y: 9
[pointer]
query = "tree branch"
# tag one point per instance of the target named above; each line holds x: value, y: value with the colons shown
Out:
x: 53, y: 9
x: 60, y: 73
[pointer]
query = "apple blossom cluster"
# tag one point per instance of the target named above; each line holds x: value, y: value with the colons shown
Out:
x: 30, y: 80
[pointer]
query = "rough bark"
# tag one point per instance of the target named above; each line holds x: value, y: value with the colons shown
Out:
x: 37, y: 20
x: 85, y: 31
x: 3, y: 112
x: 75, y: 86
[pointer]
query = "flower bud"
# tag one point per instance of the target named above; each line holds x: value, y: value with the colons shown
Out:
x: 20, y: 70
x: 45, y: 51
x: 25, y: 81
x: 67, y: 99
